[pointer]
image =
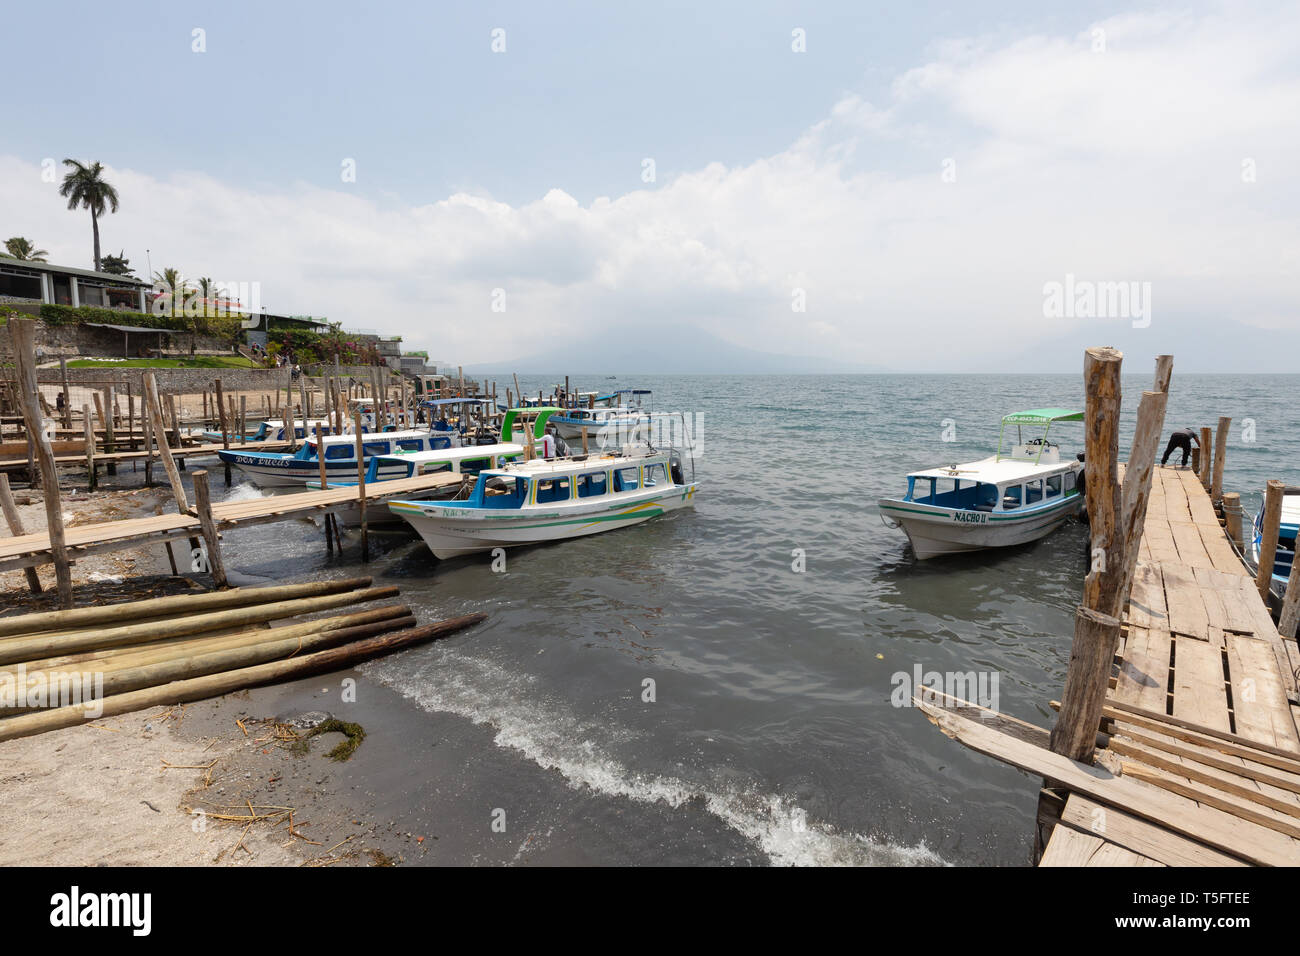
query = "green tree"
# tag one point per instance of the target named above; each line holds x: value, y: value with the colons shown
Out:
x: 85, y: 186
x: 25, y: 249
x: 118, y: 265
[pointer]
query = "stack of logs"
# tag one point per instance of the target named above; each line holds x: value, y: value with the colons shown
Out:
x: 164, y: 651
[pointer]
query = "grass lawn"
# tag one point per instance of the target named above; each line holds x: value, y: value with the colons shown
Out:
x: 198, y: 361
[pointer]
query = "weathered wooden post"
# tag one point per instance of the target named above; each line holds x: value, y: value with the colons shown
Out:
x: 1232, y: 517
x: 1220, y: 455
x: 211, y: 538
x: 164, y: 451
x: 1196, y: 460
x: 361, y: 487
x: 89, y: 427
x: 16, y: 529
x: 110, y: 442
x: 1116, y: 515
x: 1268, y: 536
x: 23, y: 333
x: 1290, y: 615
x: 1207, y: 456
x: 67, y: 399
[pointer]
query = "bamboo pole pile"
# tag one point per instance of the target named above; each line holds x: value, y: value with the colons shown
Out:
x: 61, y: 668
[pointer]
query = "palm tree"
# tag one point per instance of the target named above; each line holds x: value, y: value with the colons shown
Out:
x: 25, y: 249
x: 84, y: 186
x: 174, y: 285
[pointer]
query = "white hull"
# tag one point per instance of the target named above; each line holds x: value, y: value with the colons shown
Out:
x: 452, y: 532
x: 936, y: 531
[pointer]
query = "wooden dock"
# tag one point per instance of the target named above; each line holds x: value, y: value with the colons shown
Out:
x: 1197, y: 749
x: 30, y: 550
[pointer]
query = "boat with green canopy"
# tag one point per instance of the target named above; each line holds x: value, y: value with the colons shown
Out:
x: 1021, y: 493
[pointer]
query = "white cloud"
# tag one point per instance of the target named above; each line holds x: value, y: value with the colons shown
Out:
x: 1122, y: 165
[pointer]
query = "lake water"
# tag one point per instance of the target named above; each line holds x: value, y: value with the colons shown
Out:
x: 771, y: 737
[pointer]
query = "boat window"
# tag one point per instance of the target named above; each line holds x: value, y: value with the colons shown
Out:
x: 438, y: 442
x: 625, y: 479
x: 433, y: 467
x: 374, y: 448
x: 1033, y: 491
x: 1069, y: 482
x: 552, y: 489
x: 411, y: 444
x: 341, y: 450
x: 986, y: 497
x: 504, y: 491
x: 1053, y: 485
x: 654, y: 475
x: 592, y: 485
x: 1012, y: 498
x: 475, y: 464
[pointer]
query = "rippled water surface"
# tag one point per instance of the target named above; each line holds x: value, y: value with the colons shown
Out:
x: 772, y: 721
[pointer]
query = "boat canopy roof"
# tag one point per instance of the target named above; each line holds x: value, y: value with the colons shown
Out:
x: 369, y: 436
x: 1042, y: 416
x: 465, y: 452
x: 992, y: 471
x: 439, y: 402
x: 537, y: 414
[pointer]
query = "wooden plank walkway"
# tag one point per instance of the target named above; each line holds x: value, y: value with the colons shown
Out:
x: 186, y: 451
x: 1203, y: 704
x: 30, y: 550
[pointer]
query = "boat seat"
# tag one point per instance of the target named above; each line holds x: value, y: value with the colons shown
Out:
x: 984, y: 506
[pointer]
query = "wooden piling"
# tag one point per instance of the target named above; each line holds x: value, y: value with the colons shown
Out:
x: 1207, y: 456
x: 164, y: 452
x: 16, y: 529
x: 1232, y: 516
x: 361, y: 487
x: 1268, y: 536
x: 89, y: 426
x: 212, y: 540
x: 67, y: 399
x: 1220, y: 455
x: 1116, y: 514
x: 23, y: 332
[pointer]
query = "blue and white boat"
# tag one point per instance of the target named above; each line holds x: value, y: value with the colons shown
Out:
x: 1284, y: 557
x: 620, y: 411
x: 271, y: 470
x: 468, y: 460
x: 552, y: 500
x: 1007, y: 499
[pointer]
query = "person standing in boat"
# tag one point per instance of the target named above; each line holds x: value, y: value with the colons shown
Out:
x: 553, y: 445
x: 1183, y: 439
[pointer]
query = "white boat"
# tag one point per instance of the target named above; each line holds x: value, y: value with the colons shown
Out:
x: 540, y: 501
x: 1284, y: 555
x: 1007, y: 499
x: 467, y: 460
x: 271, y: 470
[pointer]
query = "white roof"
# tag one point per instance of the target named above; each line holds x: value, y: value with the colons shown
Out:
x: 370, y: 436
x: 455, y: 454
x: 543, y: 467
x: 993, y: 471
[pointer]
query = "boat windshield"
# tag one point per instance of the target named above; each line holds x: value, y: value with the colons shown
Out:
x: 952, y: 493
x: 501, y: 491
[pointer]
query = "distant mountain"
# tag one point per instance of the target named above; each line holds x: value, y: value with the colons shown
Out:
x: 667, y: 350
x: 1198, y: 345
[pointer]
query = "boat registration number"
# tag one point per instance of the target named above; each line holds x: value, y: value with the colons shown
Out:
x: 970, y: 517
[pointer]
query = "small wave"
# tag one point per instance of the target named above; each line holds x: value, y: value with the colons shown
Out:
x: 245, y: 491
x: 487, y: 694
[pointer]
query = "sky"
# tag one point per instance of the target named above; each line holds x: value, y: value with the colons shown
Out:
x: 888, y: 186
